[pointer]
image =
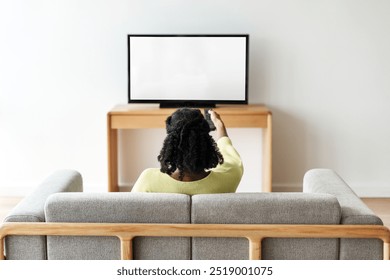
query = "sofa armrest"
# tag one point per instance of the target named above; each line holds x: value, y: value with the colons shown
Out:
x: 353, y: 212
x: 31, y: 209
x: 353, y: 209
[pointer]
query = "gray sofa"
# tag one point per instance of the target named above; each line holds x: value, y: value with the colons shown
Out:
x: 326, y: 200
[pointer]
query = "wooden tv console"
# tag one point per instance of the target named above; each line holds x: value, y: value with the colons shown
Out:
x: 137, y: 116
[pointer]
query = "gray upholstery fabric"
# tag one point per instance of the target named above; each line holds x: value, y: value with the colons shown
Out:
x: 353, y: 211
x: 31, y: 209
x: 118, y: 208
x: 328, y: 200
x: 265, y: 208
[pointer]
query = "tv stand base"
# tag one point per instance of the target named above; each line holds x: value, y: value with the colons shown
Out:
x: 187, y: 104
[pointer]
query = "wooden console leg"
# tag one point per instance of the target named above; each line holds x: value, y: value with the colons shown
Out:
x: 267, y: 156
x: 112, y: 142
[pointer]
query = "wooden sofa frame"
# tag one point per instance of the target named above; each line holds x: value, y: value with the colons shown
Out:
x: 253, y: 232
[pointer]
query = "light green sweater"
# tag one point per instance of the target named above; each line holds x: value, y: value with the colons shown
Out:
x: 222, y: 179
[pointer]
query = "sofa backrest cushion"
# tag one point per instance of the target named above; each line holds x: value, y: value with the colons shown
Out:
x: 118, y: 208
x: 265, y: 208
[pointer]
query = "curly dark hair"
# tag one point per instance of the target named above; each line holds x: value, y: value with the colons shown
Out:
x: 188, y: 145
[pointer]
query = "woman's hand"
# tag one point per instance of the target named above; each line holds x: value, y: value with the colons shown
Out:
x: 219, y: 125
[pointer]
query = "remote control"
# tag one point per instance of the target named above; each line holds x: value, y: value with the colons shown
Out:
x: 208, y: 119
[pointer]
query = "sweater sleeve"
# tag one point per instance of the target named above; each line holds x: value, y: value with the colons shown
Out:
x: 142, y: 183
x: 232, y: 161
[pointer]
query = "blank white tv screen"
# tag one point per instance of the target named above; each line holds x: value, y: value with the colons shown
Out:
x: 188, y: 68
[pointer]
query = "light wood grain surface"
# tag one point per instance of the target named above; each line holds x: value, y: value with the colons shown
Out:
x: 254, y: 233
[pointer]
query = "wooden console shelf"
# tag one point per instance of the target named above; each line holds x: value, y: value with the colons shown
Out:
x: 134, y: 116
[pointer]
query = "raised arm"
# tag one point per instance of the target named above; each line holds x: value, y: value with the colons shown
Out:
x: 220, y: 126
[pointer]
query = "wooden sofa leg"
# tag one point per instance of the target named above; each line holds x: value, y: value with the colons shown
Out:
x: 386, y: 251
x: 2, y: 257
x: 126, y: 248
x: 254, y: 248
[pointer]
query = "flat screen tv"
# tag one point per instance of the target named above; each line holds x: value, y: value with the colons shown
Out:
x: 188, y: 70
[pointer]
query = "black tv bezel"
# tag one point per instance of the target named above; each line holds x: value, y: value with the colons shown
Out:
x: 189, y: 102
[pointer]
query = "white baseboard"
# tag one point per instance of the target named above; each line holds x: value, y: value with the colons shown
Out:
x: 15, y: 191
x: 18, y: 191
x: 361, y: 190
x: 286, y: 187
x: 372, y: 191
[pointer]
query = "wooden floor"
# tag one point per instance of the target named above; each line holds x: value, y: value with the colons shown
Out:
x: 6, y: 204
x: 380, y: 206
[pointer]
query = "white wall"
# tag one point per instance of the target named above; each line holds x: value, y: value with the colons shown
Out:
x: 322, y: 66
